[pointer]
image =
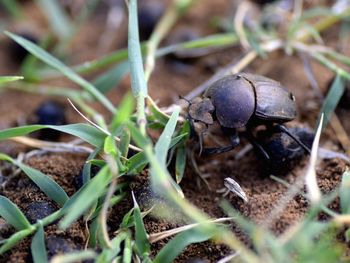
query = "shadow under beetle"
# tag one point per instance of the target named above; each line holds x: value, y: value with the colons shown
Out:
x: 244, y: 100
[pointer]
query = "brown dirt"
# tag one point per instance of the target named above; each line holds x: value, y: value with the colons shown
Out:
x: 166, y: 84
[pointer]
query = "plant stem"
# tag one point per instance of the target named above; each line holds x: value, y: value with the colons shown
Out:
x: 322, y: 25
x: 218, y: 40
x: 162, y: 28
x: 20, y: 235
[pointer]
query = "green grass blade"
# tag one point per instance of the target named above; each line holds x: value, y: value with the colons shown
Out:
x: 112, y: 77
x: 140, y: 140
x: 161, y: 151
x: 344, y: 193
x: 57, y: 18
x: 140, y: 159
x: 109, y: 146
x: 138, y: 82
x: 12, y: 215
x: 12, y: 7
x: 87, y: 165
x: 87, y: 196
x: 212, y: 41
x: 109, y: 254
x: 38, y: 248
x: 125, y: 109
x: 180, y: 163
x: 52, y: 189
x: 163, y: 143
x: 142, y: 244
x: 124, y: 144
x: 72, y: 257
x: 175, y: 246
x: 44, y: 182
x: 85, y: 132
x: 14, y: 239
x: 332, y: 99
x: 6, y: 79
x: 136, y: 161
x: 127, y: 252
x: 58, y: 65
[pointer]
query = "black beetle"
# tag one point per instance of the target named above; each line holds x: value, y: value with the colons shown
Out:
x: 245, y: 100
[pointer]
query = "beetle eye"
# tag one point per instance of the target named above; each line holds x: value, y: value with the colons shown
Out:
x: 291, y: 96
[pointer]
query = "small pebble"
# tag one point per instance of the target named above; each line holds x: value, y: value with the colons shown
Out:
x: 39, y: 210
x: 18, y: 53
x: 149, y: 13
x: 50, y: 113
x: 58, y: 245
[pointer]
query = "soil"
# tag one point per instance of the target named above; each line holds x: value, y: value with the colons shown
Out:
x: 263, y: 193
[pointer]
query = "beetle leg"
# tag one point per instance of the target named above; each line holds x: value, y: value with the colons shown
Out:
x: 201, y: 141
x: 282, y: 128
x: 234, y: 139
x: 258, y: 146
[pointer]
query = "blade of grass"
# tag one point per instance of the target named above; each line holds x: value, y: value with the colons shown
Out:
x: 141, y: 240
x: 72, y: 257
x: 38, y: 248
x: 6, y: 79
x: 109, y: 254
x: 162, y: 146
x: 112, y: 77
x: 125, y: 109
x: 44, y: 182
x: 127, y: 252
x: 12, y: 7
x: 180, y: 163
x: 87, y: 196
x: 140, y: 159
x: 20, y: 235
x: 212, y: 41
x: 163, y: 143
x: 15, y: 238
x: 166, y: 22
x: 138, y: 82
x: 344, y: 193
x: 332, y: 99
x: 85, y: 132
x: 175, y: 246
x: 57, y: 18
x: 58, y: 65
x: 12, y: 215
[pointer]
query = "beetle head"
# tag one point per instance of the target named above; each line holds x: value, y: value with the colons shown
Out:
x: 201, y: 110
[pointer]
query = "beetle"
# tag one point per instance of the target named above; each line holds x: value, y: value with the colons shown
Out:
x: 244, y: 100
